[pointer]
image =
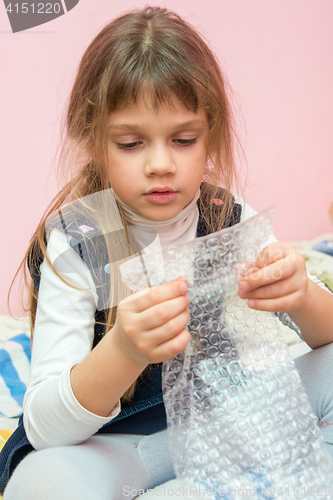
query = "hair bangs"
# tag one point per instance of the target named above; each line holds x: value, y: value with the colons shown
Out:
x: 156, y: 79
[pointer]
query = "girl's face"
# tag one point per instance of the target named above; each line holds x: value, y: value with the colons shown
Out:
x: 157, y: 158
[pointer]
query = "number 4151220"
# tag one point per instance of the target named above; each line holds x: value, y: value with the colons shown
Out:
x: 34, y: 8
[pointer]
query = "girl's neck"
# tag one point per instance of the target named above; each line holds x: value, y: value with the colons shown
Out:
x: 179, y: 229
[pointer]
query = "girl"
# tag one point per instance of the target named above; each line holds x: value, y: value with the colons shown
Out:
x: 149, y: 123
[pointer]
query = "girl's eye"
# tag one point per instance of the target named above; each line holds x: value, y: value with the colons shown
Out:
x: 185, y: 142
x: 127, y: 145
x: 134, y: 144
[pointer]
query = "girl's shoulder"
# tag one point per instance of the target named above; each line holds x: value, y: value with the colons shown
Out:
x: 246, y: 210
x: 88, y: 217
x: 75, y: 221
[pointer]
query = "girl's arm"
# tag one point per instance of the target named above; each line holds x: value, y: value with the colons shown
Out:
x: 279, y: 282
x: 63, y: 337
x: 150, y: 328
x: 55, y: 412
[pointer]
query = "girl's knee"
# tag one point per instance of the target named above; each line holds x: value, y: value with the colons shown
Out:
x: 50, y: 474
x: 315, y: 369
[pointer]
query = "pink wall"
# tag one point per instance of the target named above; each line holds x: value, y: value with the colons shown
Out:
x: 278, y: 57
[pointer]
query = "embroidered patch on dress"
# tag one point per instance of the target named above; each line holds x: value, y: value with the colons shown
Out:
x: 325, y: 423
x: 217, y: 201
x: 86, y: 229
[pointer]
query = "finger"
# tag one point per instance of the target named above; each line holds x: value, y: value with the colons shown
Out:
x: 147, y: 298
x: 172, y: 347
x: 272, y: 253
x: 283, y: 304
x: 272, y: 290
x: 163, y: 333
x: 279, y: 270
x: 162, y: 293
x: 159, y: 314
x: 181, y: 278
x: 175, y: 325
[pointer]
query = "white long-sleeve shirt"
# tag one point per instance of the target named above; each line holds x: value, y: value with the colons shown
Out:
x: 63, y: 336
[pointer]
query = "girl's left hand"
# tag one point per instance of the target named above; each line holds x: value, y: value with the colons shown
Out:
x: 278, y: 280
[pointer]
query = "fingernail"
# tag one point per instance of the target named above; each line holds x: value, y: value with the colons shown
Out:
x: 251, y: 303
x: 183, y: 287
x: 244, y: 285
x: 242, y: 294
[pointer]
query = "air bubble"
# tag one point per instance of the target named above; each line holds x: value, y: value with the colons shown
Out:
x: 239, y: 314
x: 212, y: 351
x: 229, y: 308
x: 226, y: 239
x: 201, y: 263
x: 214, y: 338
x: 213, y: 244
x: 250, y: 322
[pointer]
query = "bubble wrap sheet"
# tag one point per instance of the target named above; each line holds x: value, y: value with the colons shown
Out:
x: 238, y: 417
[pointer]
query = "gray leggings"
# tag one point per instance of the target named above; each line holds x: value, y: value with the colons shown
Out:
x: 111, y: 467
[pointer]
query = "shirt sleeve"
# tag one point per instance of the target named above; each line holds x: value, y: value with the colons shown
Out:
x: 63, y: 336
x: 247, y: 212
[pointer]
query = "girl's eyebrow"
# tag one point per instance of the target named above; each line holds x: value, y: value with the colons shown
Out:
x: 125, y: 126
x: 194, y: 124
x: 191, y: 124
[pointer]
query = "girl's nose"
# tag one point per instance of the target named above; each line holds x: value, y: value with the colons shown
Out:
x: 159, y: 161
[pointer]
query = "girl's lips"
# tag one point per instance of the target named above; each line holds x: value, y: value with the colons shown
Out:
x: 161, y: 197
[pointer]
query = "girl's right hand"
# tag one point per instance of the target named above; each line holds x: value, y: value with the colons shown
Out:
x: 150, y: 327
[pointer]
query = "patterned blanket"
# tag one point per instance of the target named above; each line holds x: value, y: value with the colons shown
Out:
x: 14, y: 372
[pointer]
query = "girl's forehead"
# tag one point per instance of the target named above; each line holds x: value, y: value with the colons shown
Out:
x: 146, y: 106
x: 157, y: 96
x: 144, y: 114
x: 149, y: 100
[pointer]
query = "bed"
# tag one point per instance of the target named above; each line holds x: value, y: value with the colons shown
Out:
x: 15, y: 354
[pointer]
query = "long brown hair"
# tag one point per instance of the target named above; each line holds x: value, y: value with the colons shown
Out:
x: 156, y: 52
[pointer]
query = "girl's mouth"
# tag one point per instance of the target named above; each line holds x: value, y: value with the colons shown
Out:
x: 161, y: 197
